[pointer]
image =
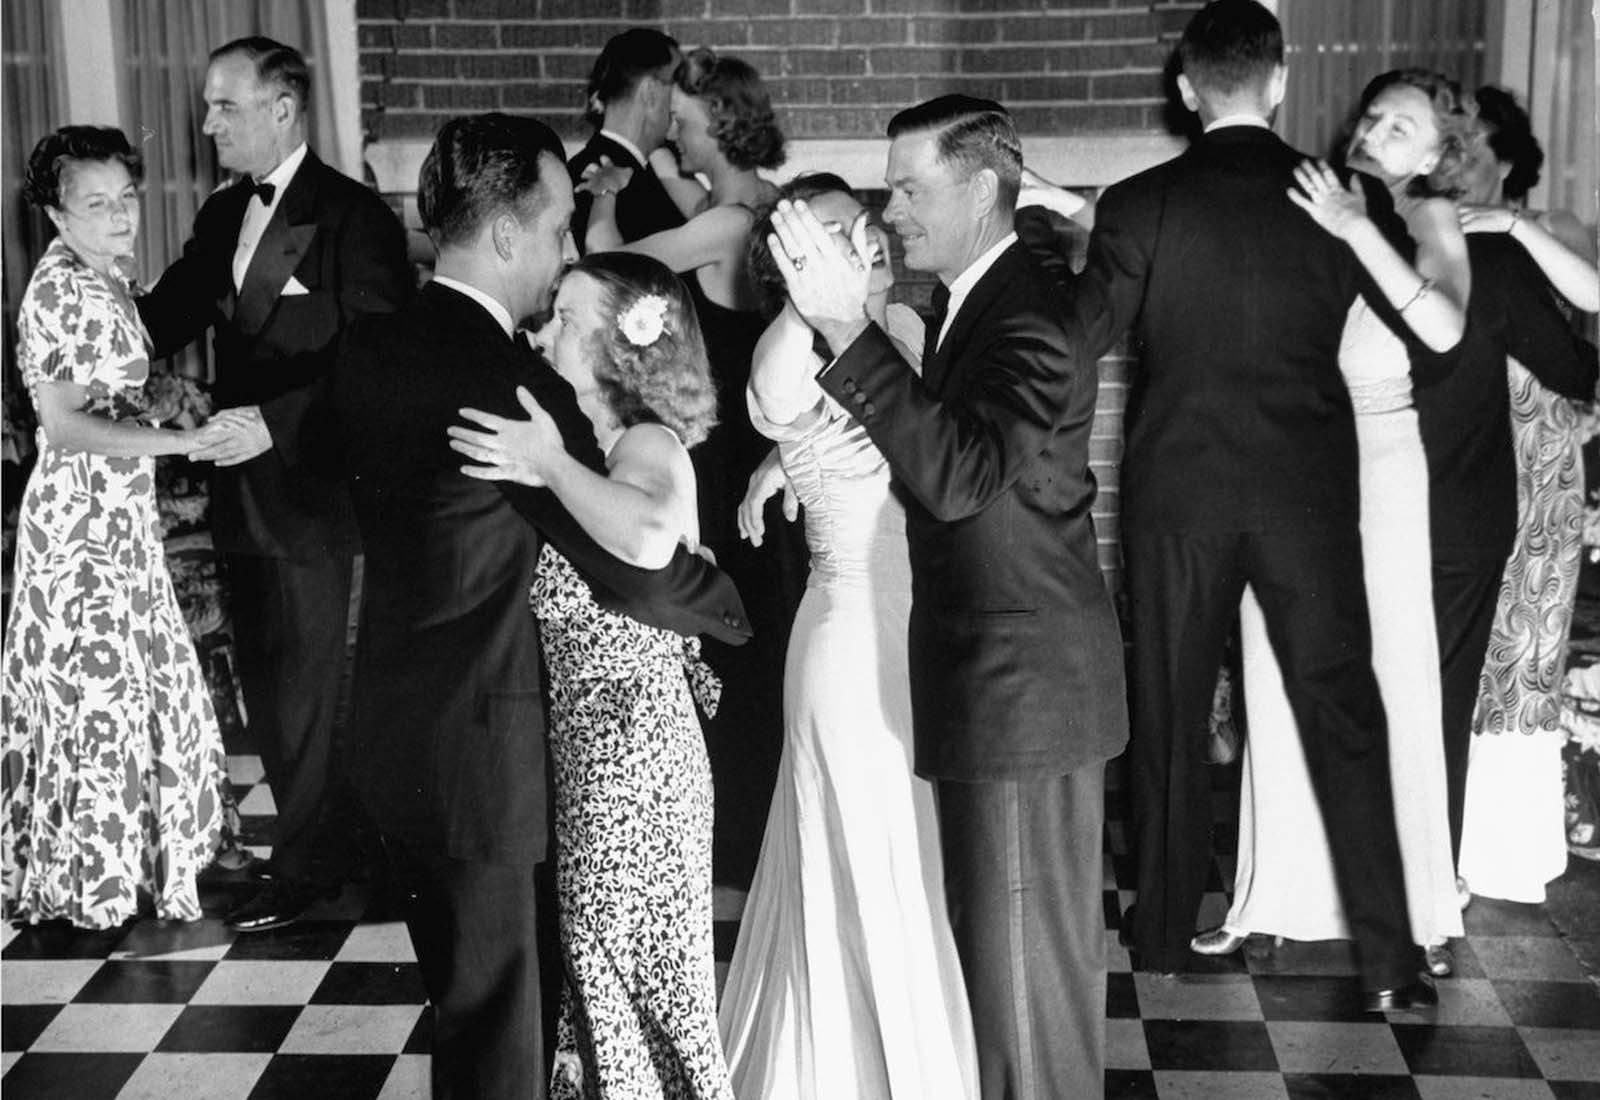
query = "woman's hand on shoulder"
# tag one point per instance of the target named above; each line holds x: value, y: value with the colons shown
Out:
x: 524, y: 451
x: 1339, y: 208
x: 1479, y: 217
x: 604, y: 178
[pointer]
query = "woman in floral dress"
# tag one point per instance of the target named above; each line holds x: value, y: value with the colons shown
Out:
x: 112, y: 767
x: 633, y: 783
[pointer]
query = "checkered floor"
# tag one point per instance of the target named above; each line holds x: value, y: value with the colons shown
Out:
x: 333, y: 1007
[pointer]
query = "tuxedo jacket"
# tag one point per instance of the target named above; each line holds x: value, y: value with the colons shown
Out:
x: 447, y: 719
x: 1238, y: 417
x: 1463, y: 400
x: 1016, y: 657
x: 643, y: 207
x: 335, y: 240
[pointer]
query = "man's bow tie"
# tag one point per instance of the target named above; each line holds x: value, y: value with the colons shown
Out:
x: 265, y: 190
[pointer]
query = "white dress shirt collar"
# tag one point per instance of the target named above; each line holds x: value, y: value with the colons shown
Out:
x: 963, y: 283
x: 1238, y: 120
x: 626, y: 144
x: 500, y: 313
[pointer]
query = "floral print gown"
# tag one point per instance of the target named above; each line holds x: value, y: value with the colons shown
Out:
x: 112, y: 766
x: 633, y: 850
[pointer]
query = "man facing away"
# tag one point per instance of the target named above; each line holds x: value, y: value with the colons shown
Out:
x: 1240, y: 468
x: 278, y: 264
x: 447, y: 713
x: 629, y: 103
x: 1016, y: 661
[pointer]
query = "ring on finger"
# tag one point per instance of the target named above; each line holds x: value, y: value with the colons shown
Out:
x: 799, y: 262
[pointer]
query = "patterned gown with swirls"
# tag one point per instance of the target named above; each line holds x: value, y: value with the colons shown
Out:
x: 112, y: 763
x: 1513, y: 838
x: 633, y: 849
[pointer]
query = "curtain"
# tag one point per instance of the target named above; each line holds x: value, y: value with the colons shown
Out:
x: 1562, y: 102
x: 166, y: 43
x: 1335, y: 46
x: 31, y: 96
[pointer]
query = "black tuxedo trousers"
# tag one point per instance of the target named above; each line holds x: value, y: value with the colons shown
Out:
x: 1184, y: 590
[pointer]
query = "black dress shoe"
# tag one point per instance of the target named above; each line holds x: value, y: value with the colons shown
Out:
x: 277, y: 906
x: 1419, y: 994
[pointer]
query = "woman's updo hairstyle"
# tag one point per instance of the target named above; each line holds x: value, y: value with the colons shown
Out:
x: 647, y: 352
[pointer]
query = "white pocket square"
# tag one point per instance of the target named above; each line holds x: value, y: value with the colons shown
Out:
x: 294, y: 286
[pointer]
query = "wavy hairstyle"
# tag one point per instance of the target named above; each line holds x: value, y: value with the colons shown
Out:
x: 1455, y: 117
x: 1510, y: 135
x: 764, y: 273
x: 55, y: 153
x: 742, y: 119
x: 667, y: 381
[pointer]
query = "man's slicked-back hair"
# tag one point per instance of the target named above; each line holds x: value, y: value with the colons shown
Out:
x: 1231, y: 45
x: 973, y: 133
x: 277, y: 66
x: 480, y: 166
x: 626, y: 59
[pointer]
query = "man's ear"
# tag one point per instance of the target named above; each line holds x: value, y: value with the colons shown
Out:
x: 1277, y: 85
x: 985, y: 184
x: 284, y: 109
x: 1191, y: 98
x: 503, y: 233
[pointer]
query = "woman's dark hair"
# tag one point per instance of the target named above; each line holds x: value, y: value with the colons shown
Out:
x: 764, y: 273
x: 1458, y: 128
x: 50, y: 159
x: 667, y: 379
x: 1510, y: 135
x: 742, y: 119
x: 626, y: 59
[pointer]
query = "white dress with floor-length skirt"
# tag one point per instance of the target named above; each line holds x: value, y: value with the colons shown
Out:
x: 1284, y: 884
x: 845, y: 981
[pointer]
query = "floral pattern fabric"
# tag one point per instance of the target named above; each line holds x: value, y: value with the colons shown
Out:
x: 633, y: 850
x: 112, y: 774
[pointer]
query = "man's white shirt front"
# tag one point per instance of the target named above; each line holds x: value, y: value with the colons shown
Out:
x: 258, y: 214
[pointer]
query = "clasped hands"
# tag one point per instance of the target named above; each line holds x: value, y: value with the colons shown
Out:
x: 231, y: 437
x: 827, y: 270
x: 523, y: 451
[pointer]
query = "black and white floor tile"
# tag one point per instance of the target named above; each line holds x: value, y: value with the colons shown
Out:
x: 333, y: 1007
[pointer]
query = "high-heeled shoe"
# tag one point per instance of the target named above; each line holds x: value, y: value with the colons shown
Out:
x: 1441, y: 960
x: 1220, y: 940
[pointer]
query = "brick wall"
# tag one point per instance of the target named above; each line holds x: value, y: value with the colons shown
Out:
x: 836, y: 68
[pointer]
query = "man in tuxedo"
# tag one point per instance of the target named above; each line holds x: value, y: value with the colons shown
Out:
x: 1016, y: 660
x: 278, y: 264
x: 447, y: 716
x: 629, y: 104
x: 1240, y: 468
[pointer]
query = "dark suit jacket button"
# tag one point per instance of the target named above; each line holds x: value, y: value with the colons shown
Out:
x: 850, y: 385
x: 731, y: 619
x: 861, y: 399
x: 868, y: 408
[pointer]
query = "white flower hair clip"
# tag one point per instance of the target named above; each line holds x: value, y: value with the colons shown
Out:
x: 644, y: 321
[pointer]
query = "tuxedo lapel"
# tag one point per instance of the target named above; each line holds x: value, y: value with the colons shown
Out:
x: 283, y: 245
x: 232, y: 216
x: 973, y: 308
